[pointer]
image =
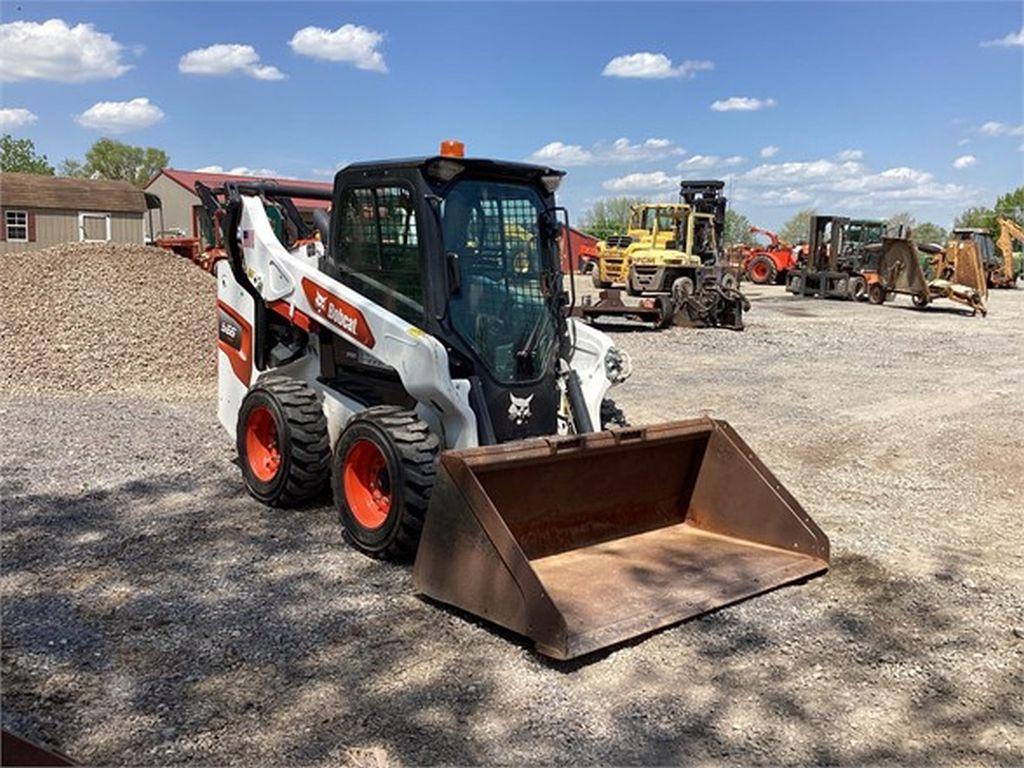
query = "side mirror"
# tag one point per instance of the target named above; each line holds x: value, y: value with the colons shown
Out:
x: 454, y: 273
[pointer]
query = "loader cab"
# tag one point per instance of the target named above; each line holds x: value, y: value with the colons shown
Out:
x: 467, y: 251
x: 986, y: 246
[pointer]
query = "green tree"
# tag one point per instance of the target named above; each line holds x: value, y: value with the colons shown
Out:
x: 797, y: 228
x: 927, y: 232
x: 977, y: 218
x: 1011, y: 205
x: 737, y: 229
x: 72, y: 168
x: 904, y: 219
x: 19, y: 155
x: 608, y: 217
x: 109, y: 159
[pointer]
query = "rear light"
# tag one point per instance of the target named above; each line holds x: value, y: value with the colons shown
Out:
x: 551, y: 182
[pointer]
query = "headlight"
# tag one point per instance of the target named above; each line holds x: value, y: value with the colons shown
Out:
x: 617, y: 366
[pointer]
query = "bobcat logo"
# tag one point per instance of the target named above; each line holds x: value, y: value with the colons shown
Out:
x: 320, y: 302
x: 519, y: 409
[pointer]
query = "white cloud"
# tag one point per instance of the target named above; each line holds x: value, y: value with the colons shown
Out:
x: 963, y: 142
x: 783, y: 197
x: 52, y: 50
x: 845, y: 184
x: 699, y: 162
x: 13, y: 118
x: 706, y: 162
x: 603, y: 153
x: 228, y: 59
x: 1012, y: 40
x: 964, y: 161
x: 851, y: 154
x: 769, y: 151
x: 994, y: 128
x: 653, y: 66
x: 741, y: 104
x: 804, y: 171
x: 557, y: 153
x: 642, y: 182
x: 121, y: 116
x: 350, y: 43
x: 241, y: 170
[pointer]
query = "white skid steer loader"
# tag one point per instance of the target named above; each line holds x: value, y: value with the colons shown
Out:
x: 419, y: 357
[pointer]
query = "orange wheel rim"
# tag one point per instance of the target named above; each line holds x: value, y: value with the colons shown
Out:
x: 261, y: 448
x: 760, y: 271
x: 367, y: 484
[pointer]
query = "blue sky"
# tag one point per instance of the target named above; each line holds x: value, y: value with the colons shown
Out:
x: 864, y: 108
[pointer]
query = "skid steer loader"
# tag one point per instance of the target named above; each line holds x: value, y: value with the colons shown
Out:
x: 420, y: 358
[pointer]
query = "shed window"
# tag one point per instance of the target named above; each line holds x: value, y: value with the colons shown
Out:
x: 17, y: 226
x: 94, y: 227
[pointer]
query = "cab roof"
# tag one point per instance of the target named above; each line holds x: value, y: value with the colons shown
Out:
x: 475, y: 165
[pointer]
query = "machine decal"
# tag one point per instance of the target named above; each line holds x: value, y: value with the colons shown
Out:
x: 519, y: 409
x: 337, y: 313
x: 234, y: 339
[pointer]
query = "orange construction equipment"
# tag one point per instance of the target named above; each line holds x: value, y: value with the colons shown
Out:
x: 768, y: 264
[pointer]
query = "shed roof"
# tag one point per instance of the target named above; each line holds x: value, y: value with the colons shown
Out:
x: 188, y: 180
x: 32, y: 190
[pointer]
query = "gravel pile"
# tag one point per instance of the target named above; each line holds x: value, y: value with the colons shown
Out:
x: 101, y: 318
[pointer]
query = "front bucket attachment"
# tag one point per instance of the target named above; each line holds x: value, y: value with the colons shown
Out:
x: 582, y: 542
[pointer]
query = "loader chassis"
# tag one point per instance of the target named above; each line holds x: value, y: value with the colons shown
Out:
x: 419, y: 355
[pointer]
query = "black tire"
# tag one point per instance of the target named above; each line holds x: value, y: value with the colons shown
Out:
x: 762, y: 271
x: 729, y: 281
x: 920, y: 300
x: 410, y: 451
x: 876, y: 293
x: 612, y: 415
x: 794, y: 283
x: 300, y: 440
x: 858, y: 288
x: 682, y: 289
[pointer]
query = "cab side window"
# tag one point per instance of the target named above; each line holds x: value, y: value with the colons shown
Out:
x: 378, y: 249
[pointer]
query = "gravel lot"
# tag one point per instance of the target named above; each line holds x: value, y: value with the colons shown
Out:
x: 153, y: 613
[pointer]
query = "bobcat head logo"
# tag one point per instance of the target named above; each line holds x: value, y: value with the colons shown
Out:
x: 519, y: 409
x: 320, y: 302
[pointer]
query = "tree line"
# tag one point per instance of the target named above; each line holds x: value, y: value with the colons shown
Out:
x: 105, y: 159
x: 610, y: 216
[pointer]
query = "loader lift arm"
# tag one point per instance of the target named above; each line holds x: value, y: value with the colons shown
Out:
x: 1009, y: 231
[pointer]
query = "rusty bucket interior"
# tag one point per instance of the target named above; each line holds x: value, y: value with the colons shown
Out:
x: 583, y: 542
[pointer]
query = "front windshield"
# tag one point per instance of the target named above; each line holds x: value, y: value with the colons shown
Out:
x: 502, y: 305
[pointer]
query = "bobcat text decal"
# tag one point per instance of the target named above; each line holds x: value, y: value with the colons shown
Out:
x: 338, y: 313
